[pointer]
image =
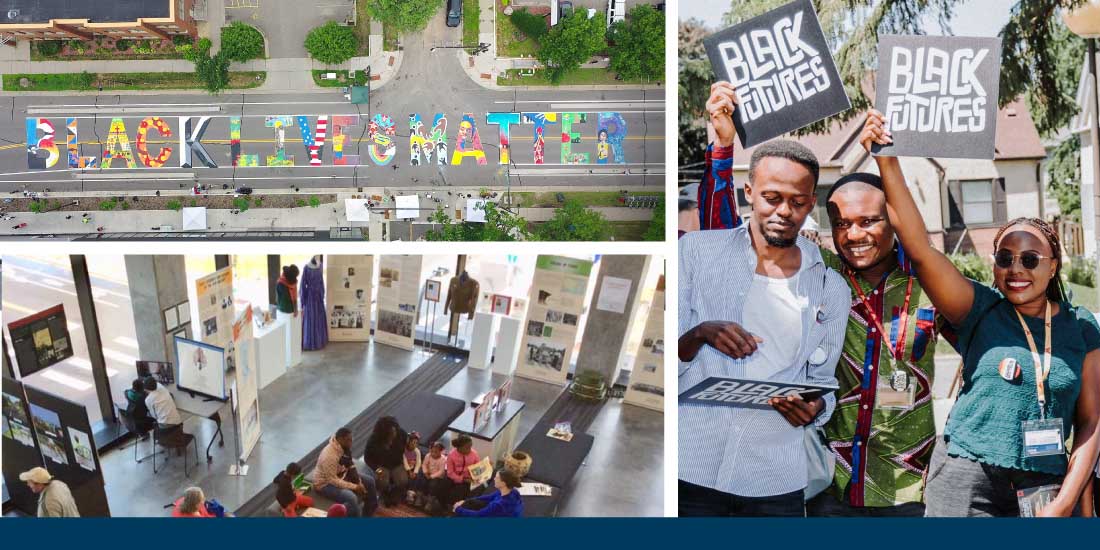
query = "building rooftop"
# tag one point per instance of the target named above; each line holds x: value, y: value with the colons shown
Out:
x: 95, y: 11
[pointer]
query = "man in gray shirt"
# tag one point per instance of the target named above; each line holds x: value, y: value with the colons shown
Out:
x: 54, y: 498
x: 756, y: 302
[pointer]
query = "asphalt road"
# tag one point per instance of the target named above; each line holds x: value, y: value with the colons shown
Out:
x: 427, y: 83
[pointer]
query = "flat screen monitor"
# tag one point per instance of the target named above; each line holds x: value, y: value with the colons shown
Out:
x: 162, y: 371
x: 200, y: 368
x: 40, y: 340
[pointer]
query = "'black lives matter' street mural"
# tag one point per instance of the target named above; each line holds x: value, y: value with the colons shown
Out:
x: 939, y: 95
x: 780, y: 65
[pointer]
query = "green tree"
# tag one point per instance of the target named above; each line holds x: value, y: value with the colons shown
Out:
x: 638, y: 44
x: 403, y: 15
x: 500, y: 225
x: 1064, y: 169
x: 570, y: 43
x: 656, y: 230
x: 694, y: 83
x: 241, y: 42
x: 213, y: 72
x: 574, y: 222
x: 531, y: 25
x: 332, y: 43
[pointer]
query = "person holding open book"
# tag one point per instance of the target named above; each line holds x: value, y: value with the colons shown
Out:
x: 756, y: 302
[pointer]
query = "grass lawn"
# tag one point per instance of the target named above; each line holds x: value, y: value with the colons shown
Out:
x: 579, y: 77
x: 125, y: 81
x: 526, y: 199
x: 507, y: 45
x: 362, y: 27
x: 389, y: 38
x: 341, y: 78
x: 628, y: 231
x: 471, y: 21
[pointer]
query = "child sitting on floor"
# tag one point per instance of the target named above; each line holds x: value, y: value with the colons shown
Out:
x: 289, y: 498
x: 461, y: 457
x: 411, y: 461
x: 434, y: 477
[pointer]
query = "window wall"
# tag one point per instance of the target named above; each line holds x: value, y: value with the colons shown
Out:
x: 34, y: 283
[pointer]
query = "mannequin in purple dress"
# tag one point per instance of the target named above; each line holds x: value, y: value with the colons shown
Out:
x: 314, y: 321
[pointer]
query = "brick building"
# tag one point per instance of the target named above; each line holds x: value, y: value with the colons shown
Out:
x: 86, y: 19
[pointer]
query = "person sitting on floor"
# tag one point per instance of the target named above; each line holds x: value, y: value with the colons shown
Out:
x: 460, y: 459
x: 289, y: 498
x: 412, y: 462
x: 504, y: 502
x: 191, y: 505
x: 384, y: 454
x: 138, y: 410
x: 434, y: 473
x: 335, y: 477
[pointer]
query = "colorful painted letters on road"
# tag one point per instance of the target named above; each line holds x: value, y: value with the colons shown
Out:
x: 580, y: 141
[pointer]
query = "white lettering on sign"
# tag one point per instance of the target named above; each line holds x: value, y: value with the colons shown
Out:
x: 931, y: 90
x: 773, y: 69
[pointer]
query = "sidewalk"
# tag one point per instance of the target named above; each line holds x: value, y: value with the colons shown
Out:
x: 322, y: 217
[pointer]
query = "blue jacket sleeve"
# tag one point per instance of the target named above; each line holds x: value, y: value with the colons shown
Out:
x: 492, y: 509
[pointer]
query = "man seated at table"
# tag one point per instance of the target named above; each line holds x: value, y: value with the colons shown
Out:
x: 163, y: 408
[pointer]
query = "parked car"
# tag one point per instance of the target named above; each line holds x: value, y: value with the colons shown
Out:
x: 454, y: 12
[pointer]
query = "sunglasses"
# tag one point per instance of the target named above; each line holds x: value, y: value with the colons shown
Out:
x: 1005, y: 258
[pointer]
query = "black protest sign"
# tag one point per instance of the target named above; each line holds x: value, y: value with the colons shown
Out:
x: 780, y: 65
x: 939, y: 95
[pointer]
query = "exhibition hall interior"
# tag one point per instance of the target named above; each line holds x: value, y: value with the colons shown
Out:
x: 546, y: 368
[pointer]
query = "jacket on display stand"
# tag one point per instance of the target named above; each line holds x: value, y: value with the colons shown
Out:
x: 314, y: 314
x: 462, y: 294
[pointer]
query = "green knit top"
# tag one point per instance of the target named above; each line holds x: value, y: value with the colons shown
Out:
x: 985, y: 423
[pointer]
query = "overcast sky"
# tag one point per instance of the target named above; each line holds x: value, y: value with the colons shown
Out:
x: 972, y: 17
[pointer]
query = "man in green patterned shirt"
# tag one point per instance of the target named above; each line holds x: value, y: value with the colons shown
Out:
x: 882, y: 432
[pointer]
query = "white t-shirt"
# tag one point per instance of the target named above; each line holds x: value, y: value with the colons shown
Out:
x: 160, y: 404
x: 773, y: 311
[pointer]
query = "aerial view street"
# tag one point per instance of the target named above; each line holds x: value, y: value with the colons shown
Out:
x: 427, y: 124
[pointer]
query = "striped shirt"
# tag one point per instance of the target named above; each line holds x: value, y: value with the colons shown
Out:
x: 750, y: 452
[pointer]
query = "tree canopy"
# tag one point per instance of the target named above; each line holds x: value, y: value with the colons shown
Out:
x: 574, y: 222
x: 638, y: 44
x: 242, y: 42
x: 570, y: 43
x: 332, y: 43
x: 404, y: 15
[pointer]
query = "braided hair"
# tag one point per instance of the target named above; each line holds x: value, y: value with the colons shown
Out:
x: 1055, y: 290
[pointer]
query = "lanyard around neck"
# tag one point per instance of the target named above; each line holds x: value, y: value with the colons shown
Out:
x: 1042, y: 369
x: 903, y: 317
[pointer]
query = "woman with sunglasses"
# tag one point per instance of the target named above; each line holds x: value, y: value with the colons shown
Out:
x: 1031, y: 367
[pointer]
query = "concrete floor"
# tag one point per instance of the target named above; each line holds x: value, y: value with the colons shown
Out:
x: 333, y: 386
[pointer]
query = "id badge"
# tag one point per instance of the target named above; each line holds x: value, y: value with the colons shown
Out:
x: 1035, y: 499
x: 896, y: 391
x: 1043, y: 437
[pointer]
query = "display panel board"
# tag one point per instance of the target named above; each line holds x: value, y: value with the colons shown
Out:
x: 646, y: 387
x: 247, y: 386
x: 550, y: 330
x: 216, y: 310
x: 20, y: 446
x: 349, y: 297
x: 201, y: 367
x: 40, y: 340
x: 398, y: 300
x: 65, y: 437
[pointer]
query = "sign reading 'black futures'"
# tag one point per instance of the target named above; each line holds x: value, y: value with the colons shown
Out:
x: 939, y: 95
x: 780, y: 65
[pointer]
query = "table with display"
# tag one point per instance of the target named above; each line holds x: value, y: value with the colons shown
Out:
x: 495, y: 438
x: 197, y: 405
